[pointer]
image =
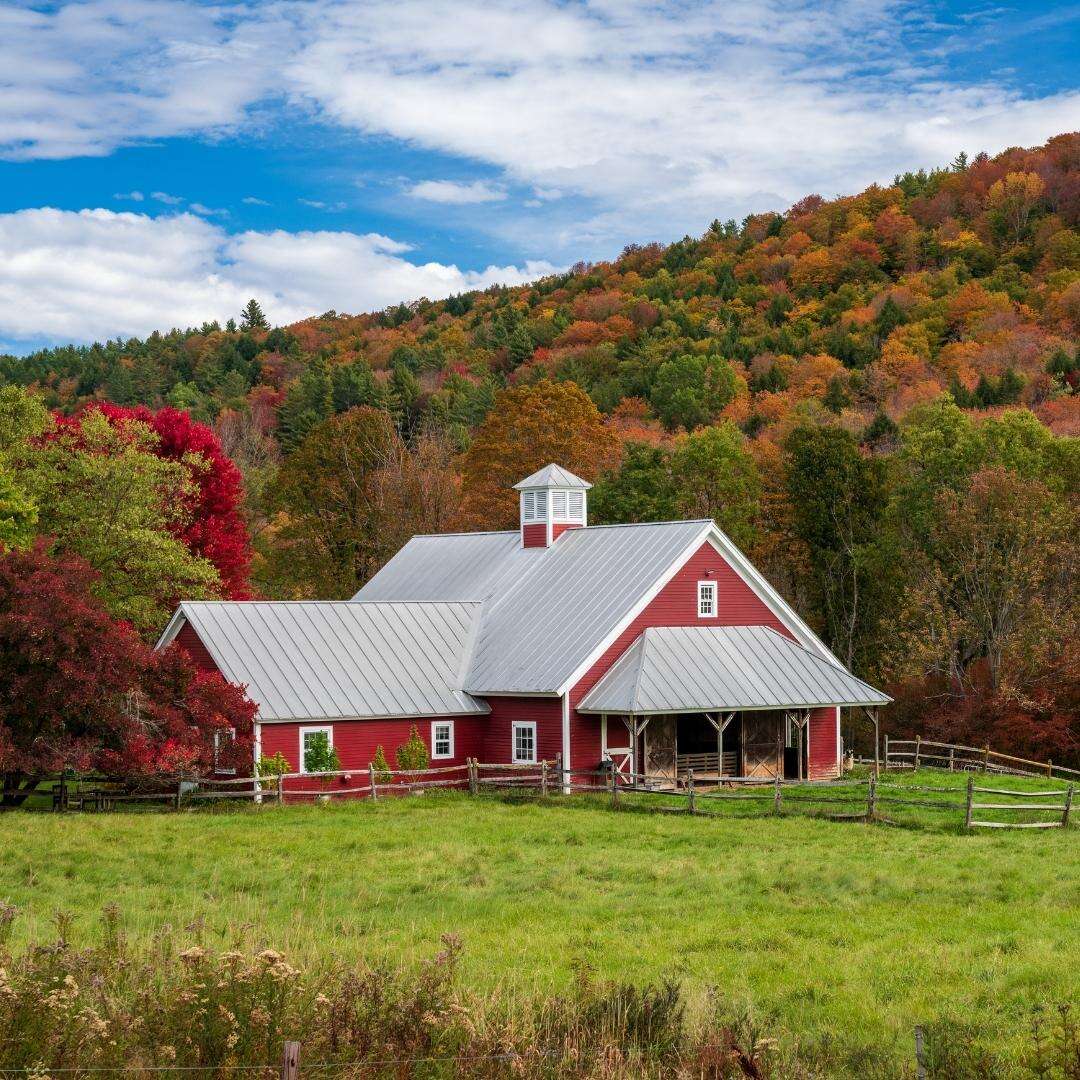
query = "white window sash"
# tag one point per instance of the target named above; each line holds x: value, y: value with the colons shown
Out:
x: 707, y: 600
x: 305, y: 731
x: 436, y: 725
x: 523, y: 726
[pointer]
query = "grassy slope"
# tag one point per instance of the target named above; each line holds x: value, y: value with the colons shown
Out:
x: 838, y: 926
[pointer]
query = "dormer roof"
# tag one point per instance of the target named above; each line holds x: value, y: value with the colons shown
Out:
x: 552, y: 476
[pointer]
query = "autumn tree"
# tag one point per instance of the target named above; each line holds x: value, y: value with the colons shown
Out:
x: 1011, y: 202
x: 80, y: 690
x: 103, y: 492
x: 691, y: 390
x: 528, y: 427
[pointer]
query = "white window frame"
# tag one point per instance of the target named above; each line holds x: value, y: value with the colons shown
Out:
x: 528, y: 506
x: 559, y: 501
x: 225, y: 734
x: 703, y: 588
x: 329, y: 729
x: 522, y: 725
x: 449, y: 725
x: 575, y: 506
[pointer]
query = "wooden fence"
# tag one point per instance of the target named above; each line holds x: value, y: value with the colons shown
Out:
x: 913, y: 753
x: 866, y: 799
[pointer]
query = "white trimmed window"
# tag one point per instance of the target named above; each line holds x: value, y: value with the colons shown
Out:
x: 523, y: 746
x: 558, y: 505
x: 706, y: 599
x: 442, y: 739
x: 541, y: 505
x: 222, y: 738
x: 576, y: 506
x: 528, y: 506
x: 314, y: 744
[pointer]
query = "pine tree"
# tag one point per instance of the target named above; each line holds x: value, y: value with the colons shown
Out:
x: 252, y: 317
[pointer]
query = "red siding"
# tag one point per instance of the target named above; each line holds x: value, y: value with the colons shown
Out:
x: 547, y: 712
x: 558, y: 530
x: 188, y: 640
x: 534, y: 535
x: 355, y: 740
x: 824, y: 752
x: 674, y: 605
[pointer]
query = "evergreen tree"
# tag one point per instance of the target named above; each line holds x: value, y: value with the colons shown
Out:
x: 252, y: 317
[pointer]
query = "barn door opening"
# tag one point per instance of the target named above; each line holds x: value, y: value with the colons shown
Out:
x: 762, y: 744
x: 661, y: 750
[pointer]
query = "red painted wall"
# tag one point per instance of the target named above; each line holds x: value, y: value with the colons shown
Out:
x: 558, y: 530
x: 824, y: 752
x: 674, y: 605
x: 546, y: 712
x: 355, y: 740
x: 188, y: 640
x: 534, y: 535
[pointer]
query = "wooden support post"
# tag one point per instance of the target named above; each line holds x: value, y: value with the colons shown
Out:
x: 564, y: 777
x: 612, y: 786
x: 1050, y: 767
x: 1068, y: 805
x: 871, y: 798
x: 776, y: 795
x: 474, y: 786
x: 690, y: 789
x: 986, y: 757
x: 798, y: 724
x: 920, y: 1056
x: 280, y: 790
x: 918, y: 751
x: 290, y: 1062
x: 970, y: 800
x: 543, y: 777
x: 179, y: 792
x: 952, y: 763
x: 371, y: 777
x: 886, y: 753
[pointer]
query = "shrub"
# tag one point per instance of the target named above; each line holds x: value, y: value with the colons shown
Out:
x: 382, y: 767
x: 270, y: 768
x: 412, y: 754
x: 319, y: 755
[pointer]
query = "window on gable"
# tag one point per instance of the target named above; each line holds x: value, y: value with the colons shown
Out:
x: 524, y: 742
x: 442, y: 739
x: 706, y: 599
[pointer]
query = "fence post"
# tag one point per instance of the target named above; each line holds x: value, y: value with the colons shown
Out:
x: 290, y: 1062
x: 920, y: 1056
x: 986, y: 757
x: 690, y: 789
x: 886, y: 753
x: 371, y: 777
x: 473, y: 786
x: 871, y: 799
x: 564, y: 778
x: 179, y: 792
x: 1050, y: 767
x: 918, y: 751
x: 280, y: 790
x: 776, y: 795
x: 1068, y: 805
x: 543, y: 777
x: 952, y: 751
x: 970, y: 800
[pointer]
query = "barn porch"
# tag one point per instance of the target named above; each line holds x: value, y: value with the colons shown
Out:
x: 725, y: 701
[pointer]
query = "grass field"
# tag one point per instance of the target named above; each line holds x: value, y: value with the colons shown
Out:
x: 837, y: 927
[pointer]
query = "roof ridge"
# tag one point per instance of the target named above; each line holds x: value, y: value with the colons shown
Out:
x: 351, y: 602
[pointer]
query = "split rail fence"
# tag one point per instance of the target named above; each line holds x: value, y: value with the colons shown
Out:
x: 863, y: 799
x: 912, y: 753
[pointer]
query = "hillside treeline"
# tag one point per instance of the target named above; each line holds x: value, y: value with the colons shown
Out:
x: 875, y: 395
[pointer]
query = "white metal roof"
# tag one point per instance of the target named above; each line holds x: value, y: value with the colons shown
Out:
x: 325, y: 660
x: 701, y: 668
x: 552, y: 476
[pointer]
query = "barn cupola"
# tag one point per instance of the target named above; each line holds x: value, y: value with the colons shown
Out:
x: 552, y: 501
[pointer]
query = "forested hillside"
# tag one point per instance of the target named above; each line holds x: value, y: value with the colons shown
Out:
x: 876, y: 396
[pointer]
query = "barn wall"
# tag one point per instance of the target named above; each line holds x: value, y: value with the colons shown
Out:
x: 674, y: 605
x: 824, y: 752
x: 534, y: 535
x: 355, y: 740
x: 546, y: 712
x: 558, y: 528
x: 192, y: 644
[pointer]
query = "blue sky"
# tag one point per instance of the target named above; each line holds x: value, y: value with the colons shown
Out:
x: 160, y: 160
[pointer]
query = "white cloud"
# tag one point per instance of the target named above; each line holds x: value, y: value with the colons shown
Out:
x: 166, y: 198
x: 128, y: 196
x: 319, y: 204
x: 251, y: 200
x: 456, y: 194
x: 96, y: 274
x: 206, y: 211
x: 649, y: 117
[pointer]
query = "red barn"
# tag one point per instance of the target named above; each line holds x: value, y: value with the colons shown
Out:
x: 657, y: 647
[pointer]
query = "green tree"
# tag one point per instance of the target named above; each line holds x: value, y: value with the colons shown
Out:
x: 308, y: 402
x: 520, y: 347
x: 838, y: 500
x: 412, y: 754
x: 690, y: 390
x: 252, y: 317
x: 714, y: 476
x: 103, y: 493
x: 640, y: 489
